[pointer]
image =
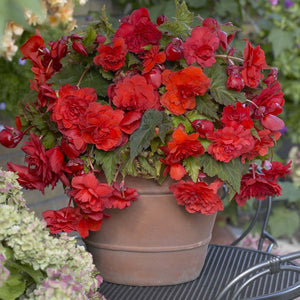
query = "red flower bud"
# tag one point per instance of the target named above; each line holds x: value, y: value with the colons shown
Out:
x: 272, y: 122
x: 78, y: 47
x: 174, y: 50
x: 161, y: 20
x: 203, y: 127
x: 10, y: 137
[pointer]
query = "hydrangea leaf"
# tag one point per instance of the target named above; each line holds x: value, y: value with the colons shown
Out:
x: 108, y: 160
x: 142, y: 137
x: 218, y: 88
x: 230, y: 172
x: 13, y: 287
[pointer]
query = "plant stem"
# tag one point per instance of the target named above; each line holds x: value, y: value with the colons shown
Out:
x: 82, y: 75
x: 230, y: 57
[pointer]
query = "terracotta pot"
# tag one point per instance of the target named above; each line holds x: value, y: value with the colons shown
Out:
x: 153, y: 242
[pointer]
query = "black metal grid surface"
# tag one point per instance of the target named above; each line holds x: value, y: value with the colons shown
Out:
x: 222, y: 264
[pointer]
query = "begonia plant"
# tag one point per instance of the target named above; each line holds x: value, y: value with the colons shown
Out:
x: 160, y: 99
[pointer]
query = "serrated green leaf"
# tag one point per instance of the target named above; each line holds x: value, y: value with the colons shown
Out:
x: 90, y: 37
x: 230, y: 172
x: 181, y: 26
x: 108, y: 75
x: 218, y: 88
x: 109, y: 163
x: 142, y: 137
x: 176, y: 120
x: 206, y: 106
x: 92, y: 79
x: 49, y: 140
x: 283, y: 221
x: 192, y: 167
x: 146, y: 166
x: 132, y: 60
x: 72, y: 73
x: 183, y: 15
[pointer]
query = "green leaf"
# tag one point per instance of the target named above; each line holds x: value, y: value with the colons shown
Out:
x: 230, y: 172
x: 13, y: 287
x: 71, y: 74
x: 289, y: 192
x: 206, y: 106
x: 92, y: 79
x: 218, y: 88
x: 181, y: 26
x: 142, y: 137
x: 49, y: 140
x: 192, y: 166
x: 281, y: 40
x: 132, y: 60
x: 109, y: 162
x: 283, y: 221
x: 146, y: 166
x: 90, y: 37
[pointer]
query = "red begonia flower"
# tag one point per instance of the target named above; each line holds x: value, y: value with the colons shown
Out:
x: 65, y: 219
x: 131, y: 121
x: 203, y: 127
x: 258, y: 187
x: 121, y: 196
x: 277, y: 170
x: 198, y: 196
x: 261, y: 145
x: 182, y: 87
x: 269, y: 101
x: 200, y: 47
x: 236, y: 116
x: 10, y: 137
x: 71, y: 104
x: 153, y: 57
x: 111, y: 57
x: 229, y: 143
x: 88, y: 193
x: 138, y: 31
x: 134, y: 93
x: 70, y: 149
x: 26, y: 179
x: 100, y: 125
x: 254, y: 63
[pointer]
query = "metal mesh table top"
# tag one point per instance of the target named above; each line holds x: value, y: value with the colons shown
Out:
x: 223, y: 263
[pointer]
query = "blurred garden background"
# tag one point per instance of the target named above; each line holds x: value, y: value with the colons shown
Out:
x: 273, y: 24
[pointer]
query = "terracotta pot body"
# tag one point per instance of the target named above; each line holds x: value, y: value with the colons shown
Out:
x: 153, y: 242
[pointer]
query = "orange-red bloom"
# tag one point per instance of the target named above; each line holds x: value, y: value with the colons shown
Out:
x: 229, y: 143
x: 180, y: 147
x: 198, y: 196
x: 254, y: 62
x: 134, y: 93
x: 111, y: 57
x: 182, y: 87
x: 153, y: 57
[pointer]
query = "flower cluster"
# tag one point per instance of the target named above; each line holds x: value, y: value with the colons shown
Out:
x: 170, y: 98
x: 62, y: 271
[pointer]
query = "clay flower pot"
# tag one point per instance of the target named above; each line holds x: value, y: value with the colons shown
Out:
x: 154, y: 242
